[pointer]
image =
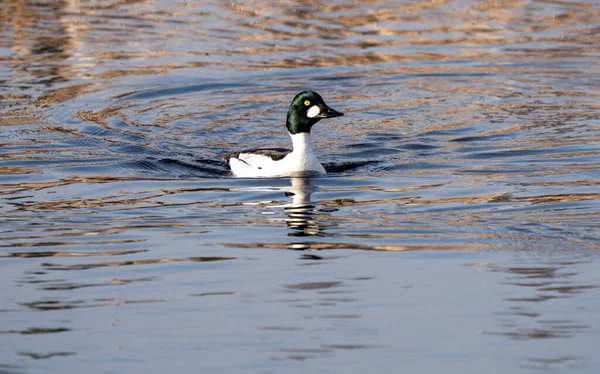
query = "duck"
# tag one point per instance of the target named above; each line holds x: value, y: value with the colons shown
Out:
x: 307, y: 108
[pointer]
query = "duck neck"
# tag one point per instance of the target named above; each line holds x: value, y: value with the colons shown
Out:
x: 301, y: 142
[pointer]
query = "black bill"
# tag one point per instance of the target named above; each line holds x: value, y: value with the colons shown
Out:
x: 327, y: 112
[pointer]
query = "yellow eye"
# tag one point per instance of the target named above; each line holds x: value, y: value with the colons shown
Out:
x: 306, y: 102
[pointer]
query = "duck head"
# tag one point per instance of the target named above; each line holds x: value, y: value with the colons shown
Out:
x: 307, y: 108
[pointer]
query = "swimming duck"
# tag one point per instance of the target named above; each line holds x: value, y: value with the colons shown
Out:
x: 307, y: 108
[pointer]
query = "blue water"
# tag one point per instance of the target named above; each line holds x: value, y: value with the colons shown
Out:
x: 457, y: 231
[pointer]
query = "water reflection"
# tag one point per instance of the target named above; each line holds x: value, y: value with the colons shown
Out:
x: 533, y: 292
x: 301, y: 211
x: 526, y: 317
x: 302, y: 218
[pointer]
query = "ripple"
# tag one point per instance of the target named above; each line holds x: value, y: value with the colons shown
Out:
x: 80, y: 267
x: 71, y: 254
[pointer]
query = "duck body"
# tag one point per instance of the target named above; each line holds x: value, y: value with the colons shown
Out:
x: 307, y: 108
x: 277, y: 162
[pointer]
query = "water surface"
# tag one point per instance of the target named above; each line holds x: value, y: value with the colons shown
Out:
x: 458, y: 231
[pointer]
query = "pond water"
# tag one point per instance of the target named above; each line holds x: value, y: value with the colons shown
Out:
x: 459, y: 229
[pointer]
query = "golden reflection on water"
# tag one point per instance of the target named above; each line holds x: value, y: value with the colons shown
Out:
x: 304, y: 216
x: 73, y: 254
x: 50, y: 266
x: 370, y: 33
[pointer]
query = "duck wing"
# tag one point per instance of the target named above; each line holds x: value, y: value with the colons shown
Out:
x: 256, y: 162
x: 274, y: 154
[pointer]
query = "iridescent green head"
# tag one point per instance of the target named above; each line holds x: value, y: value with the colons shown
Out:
x: 307, y: 108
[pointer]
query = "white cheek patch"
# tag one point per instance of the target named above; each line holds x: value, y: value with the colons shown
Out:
x: 313, y: 111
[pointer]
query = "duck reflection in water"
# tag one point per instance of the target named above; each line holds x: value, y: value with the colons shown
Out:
x: 300, y: 211
x: 302, y: 216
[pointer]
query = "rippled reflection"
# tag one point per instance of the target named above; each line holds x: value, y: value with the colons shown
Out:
x: 548, y: 282
x: 300, y: 212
